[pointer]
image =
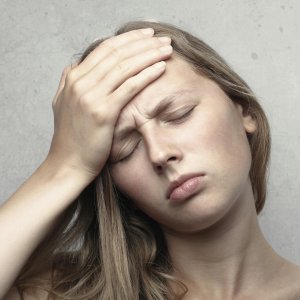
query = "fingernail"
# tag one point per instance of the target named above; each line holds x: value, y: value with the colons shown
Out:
x: 147, y: 31
x: 160, y: 65
x: 165, y: 39
x: 166, y: 49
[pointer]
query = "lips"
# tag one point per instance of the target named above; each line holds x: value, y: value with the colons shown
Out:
x: 184, y: 187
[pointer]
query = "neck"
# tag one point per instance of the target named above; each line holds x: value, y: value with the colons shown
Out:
x: 226, y: 260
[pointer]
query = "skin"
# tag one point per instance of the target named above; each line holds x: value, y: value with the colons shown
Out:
x: 86, y: 107
x: 214, y: 239
x: 209, y: 232
x: 211, y: 139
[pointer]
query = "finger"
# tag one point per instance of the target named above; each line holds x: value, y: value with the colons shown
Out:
x: 109, y: 45
x: 62, y: 81
x: 96, y: 74
x: 110, y: 109
x: 134, y: 85
x: 133, y: 66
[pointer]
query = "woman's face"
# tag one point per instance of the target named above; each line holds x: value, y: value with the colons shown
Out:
x: 195, y: 139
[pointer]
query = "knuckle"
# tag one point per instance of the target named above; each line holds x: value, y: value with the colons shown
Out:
x: 100, y: 116
x: 116, y: 52
x: 136, y: 33
x: 97, y: 114
x: 123, y: 67
x: 108, y: 44
x: 155, y: 53
x: 130, y: 86
x: 71, y: 76
x: 85, y: 101
x: 76, y: 88
x: 111, y: 47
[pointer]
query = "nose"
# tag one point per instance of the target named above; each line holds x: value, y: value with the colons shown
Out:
x: 163, y: 149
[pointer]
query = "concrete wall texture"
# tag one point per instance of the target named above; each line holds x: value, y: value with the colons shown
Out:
x: 259, y: 39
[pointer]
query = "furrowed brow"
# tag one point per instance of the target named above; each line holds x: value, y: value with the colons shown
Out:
x: 166, y: 103
x: 162, y: 106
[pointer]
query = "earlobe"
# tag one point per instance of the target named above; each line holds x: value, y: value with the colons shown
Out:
x: 249, y: 122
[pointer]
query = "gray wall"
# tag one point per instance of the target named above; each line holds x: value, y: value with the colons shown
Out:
x: 260, y: 39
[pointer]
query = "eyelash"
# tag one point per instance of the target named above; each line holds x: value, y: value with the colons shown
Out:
x: 177, y: 120
x: 129, y: 155
x: 181, y: 118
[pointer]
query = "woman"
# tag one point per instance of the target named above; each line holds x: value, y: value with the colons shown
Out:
x: 153, y: 182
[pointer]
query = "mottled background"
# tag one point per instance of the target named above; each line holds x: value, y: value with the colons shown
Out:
x: 259, y: 39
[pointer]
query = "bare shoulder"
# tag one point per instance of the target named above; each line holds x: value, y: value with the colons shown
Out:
x: 295, y: 293
x: 291, y: 282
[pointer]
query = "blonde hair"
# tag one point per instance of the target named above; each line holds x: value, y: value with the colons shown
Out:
x: 104, y: 248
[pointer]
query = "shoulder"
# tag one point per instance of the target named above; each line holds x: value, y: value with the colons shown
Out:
x: 295, y: 291
x: 290, y: 285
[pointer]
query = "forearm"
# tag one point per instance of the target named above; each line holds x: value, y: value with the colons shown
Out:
x: 28, y: 215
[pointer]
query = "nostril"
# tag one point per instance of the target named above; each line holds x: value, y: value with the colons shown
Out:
x: 172, y: 158
x: 159, y: 168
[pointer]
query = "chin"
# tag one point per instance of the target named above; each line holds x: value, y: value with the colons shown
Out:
x: 203, y: 213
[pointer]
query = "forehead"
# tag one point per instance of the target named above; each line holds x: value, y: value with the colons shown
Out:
x: 178, y: 81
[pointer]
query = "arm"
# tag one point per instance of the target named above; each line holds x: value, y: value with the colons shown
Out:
x: 31, y: 212
x: 86, y: 108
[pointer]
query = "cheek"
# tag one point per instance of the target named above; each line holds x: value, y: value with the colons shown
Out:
x: 138, y: 186
x: 224, y: 144
x: 130, y: 180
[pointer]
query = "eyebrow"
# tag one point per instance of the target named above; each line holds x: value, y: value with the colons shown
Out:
x: 166, y: 103
x: 162, y: 106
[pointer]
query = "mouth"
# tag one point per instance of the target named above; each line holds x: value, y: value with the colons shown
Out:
x: 184, y: 187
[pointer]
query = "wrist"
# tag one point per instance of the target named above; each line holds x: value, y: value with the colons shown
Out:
x: 55, y: 169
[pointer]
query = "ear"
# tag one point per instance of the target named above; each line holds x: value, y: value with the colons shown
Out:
x: 248, y: 121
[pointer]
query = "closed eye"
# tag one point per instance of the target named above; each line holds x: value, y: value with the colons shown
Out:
x: 127, y: 156
x: 180, y: 118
